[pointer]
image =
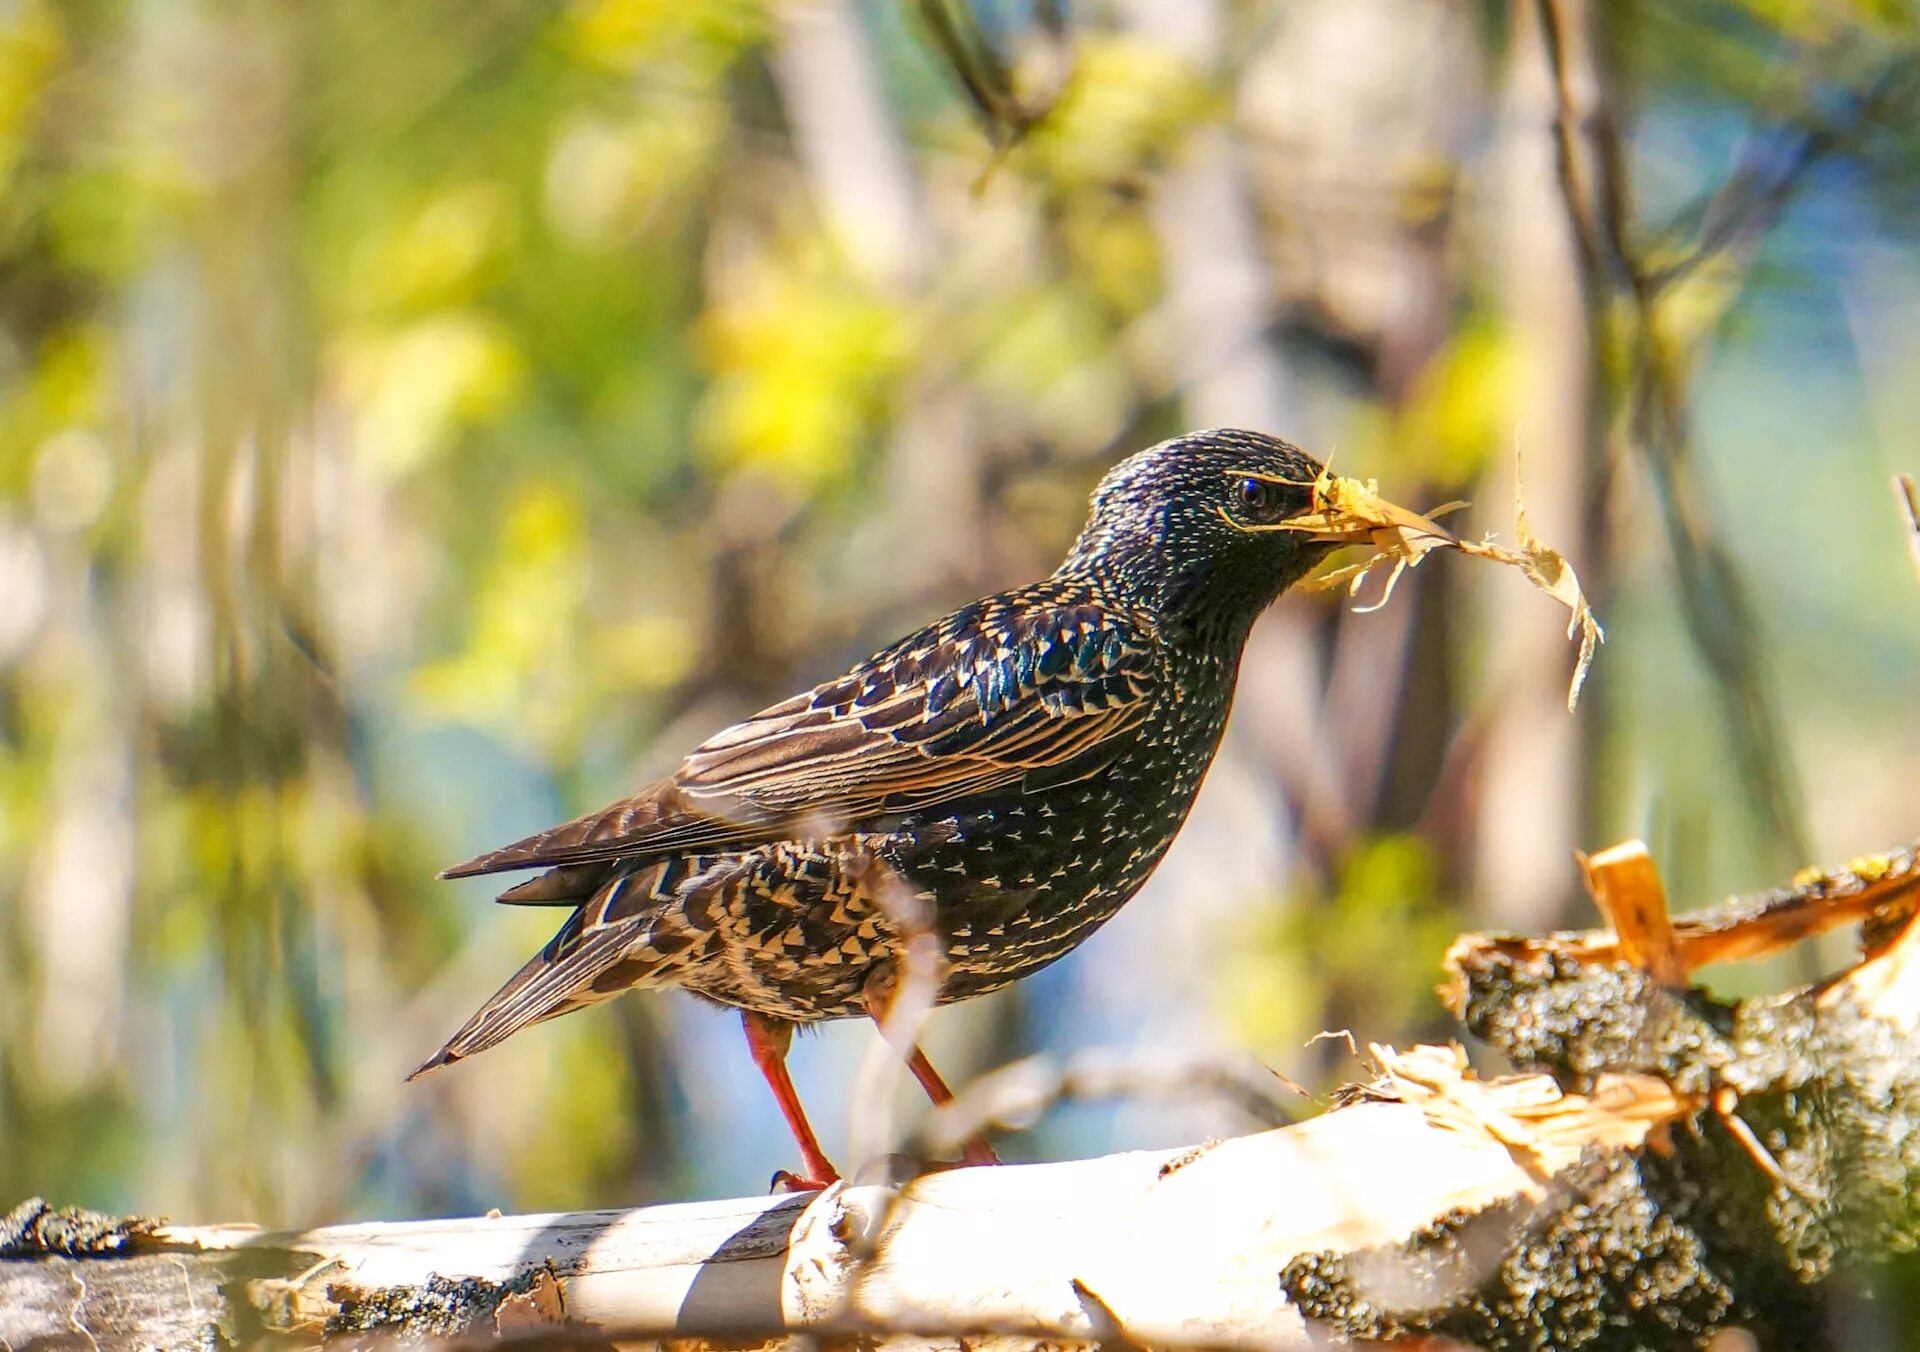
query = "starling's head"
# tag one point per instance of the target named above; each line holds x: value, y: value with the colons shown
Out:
x: 1184, y: 528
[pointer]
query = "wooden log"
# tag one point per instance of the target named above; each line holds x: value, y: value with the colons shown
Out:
x: 1678, y: 1167
x: 1178, y: 1247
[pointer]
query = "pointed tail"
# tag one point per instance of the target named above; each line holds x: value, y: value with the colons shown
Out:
x: 569, y: 973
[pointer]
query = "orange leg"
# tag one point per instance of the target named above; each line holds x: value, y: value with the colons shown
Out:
x: 977, y: 1151
x: 768, y: 1040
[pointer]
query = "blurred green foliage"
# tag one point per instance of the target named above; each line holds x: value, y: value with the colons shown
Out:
x: 421, y: 422
x: 1361, y: 953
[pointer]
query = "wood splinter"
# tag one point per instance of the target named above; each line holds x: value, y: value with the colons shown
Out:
x: 1626, y: 886
x: 1879, y: 889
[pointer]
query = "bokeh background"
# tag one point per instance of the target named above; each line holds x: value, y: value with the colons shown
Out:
x: 419, y: 423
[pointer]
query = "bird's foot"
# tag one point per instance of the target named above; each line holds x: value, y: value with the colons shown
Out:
x: 785, y: 1180
x: 977, y: 1151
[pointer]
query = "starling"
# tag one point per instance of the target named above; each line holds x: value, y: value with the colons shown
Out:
x: 1010, y: 773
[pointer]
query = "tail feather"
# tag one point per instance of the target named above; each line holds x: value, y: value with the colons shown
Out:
x: 561, y: 977
x: 568, y: 885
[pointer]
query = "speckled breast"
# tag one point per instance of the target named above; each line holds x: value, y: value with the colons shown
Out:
x: 1009, y: 882
x: 1021, y: 880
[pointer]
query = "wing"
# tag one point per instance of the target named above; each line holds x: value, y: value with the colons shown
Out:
x: 1025, y: 688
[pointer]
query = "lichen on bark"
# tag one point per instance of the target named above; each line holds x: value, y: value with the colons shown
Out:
x: 1792, y: 1170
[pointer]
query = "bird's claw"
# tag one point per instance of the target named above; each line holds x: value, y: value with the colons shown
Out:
x: 976, y: 1154
x: 785, y: 1180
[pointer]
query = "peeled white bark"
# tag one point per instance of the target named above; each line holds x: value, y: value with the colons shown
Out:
x: 1177, y: 1248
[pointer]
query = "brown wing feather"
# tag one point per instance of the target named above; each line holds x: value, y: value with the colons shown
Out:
x: 1012, y: 686
x: 659, y: 817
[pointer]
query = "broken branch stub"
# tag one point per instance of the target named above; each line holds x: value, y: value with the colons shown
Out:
x: 1626, y: 887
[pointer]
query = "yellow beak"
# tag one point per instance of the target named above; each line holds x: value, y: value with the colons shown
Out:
x: 1348, y: 529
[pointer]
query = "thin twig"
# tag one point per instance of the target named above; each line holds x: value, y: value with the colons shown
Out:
x: 1566, y: 139
x: 1751, y: 200
x: 974, y: 61
x: 1018, y: 1094
x: 1909, y: 498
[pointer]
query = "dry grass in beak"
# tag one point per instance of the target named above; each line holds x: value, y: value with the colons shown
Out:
x: 1350, y: 511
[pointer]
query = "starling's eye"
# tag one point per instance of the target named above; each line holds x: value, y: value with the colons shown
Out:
x: 1262, y: 503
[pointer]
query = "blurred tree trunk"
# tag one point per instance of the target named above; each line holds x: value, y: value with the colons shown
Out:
x: 1217, y: 324
x: 1219, y: 317
x: 1528, y: 799
x: 871, y: 204
x: 1358, y: 116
